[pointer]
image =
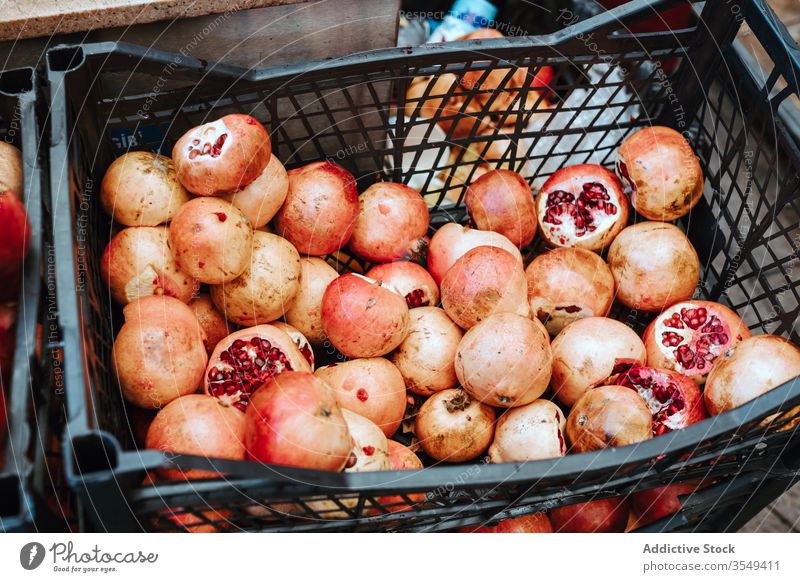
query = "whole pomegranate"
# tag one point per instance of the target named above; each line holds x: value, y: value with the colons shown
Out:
x: 222, y: 156
x: 452, y: 241
x: 411, y: 281
x: 531, y: 523
x: 608, y: 416
x: 401, y: 458
x: 581, y: 206
x: 245, y: 359
x: 199, y: 425
x: 15, y: 236
x: 299, y: 340
x: 370, y: 450
x: 689, y: 336
x: 653, y: 504
x: 294, y: 420
x: 158, y: 353
x: 453, y: 427
x: 321, y: 209
x: 211, y: 240
x: 12, y: 176
x: 266, y: 287
x: 363, y: 318
x: 261, y: 199
x: 372, y: 387
x: 212, y: 322
x: 654, y: 266
x: 529, y: 433
x: 485, y: 281
x: 568, y: 284
x: 138, y: 263
x: 598, y: 516
x: 426, y: 357
x: 391, y: 224
x: 427, y: 97
x: 141, y: 189
x: 502, y: 201
x: 662, y: 172
x: 588, y: 351
x: 305, y: 312
x: 505, y: 361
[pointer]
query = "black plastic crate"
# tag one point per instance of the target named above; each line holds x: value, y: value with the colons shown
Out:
x: 106, y: 99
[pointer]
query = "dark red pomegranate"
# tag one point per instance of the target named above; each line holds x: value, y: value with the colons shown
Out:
x: 653, y: 504
x: 411, y: 281
x: 600, y: 516
x: 532, y: 523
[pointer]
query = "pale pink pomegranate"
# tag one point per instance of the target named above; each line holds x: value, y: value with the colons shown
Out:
x: 690, y: 335
x: 299, y: 340
x: 261, y: 199
x: 531, y: 523
x: 654, y: 266
x: 411, y: 281
x: 502, y: 201
x: 222, y: 156
x: 11, y: 168
x: 529, y: 433
x: 581, y: 206
x: 212, y: 322
x: 598, y: 516
x: 370, y: 450
x: 305, y: 312
x: 401, y: 458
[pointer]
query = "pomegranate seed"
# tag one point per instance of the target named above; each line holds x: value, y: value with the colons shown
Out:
x: 369, y: 450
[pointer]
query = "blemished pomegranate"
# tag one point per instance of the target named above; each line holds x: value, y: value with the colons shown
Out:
x: 411, y: 281
x: 299, y: 340
x: 211, y: 240
x: 138, y: 263
x: 452, y: 426
x: 370, y: 450
x: 529, y: 433
x: 588, y: 351
x: 15, y: 235
x: 502, y: 201
x: 531, y: 523
x: 142, y: 189
x: 222, y: 156
x: 212, y: 322
x: 158, y: 354
x: 248, y: 358
x: 504, y: 361
x: 608, y: 416
x: 321, y: 209
x: 391, y: 225
x: 261, y: 199
x: 371, y: 387
x: 199, y: 425
x: 452, y: 241
x: 662, y: 172
x: 484, y: 282
x: 294, y: 420
x: 689, y: 336
x: 653, y: 504
x: 426, y: 357
x: 267, y: 285
x: 581, y: 206
x: 752, y: 368
x: 598, y: 516
x: 654, y: 266
x: 363, y: 318
x: 305, y: 312
x: 568, y: 284
x: 12, y: 176
x: 401, y: 458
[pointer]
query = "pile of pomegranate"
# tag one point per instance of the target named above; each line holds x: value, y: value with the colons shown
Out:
x: 246, y: 342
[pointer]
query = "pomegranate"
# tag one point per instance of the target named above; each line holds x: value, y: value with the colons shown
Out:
x: 654, y: 266
x: 588, y: 351
x: 653, y: 504
x: 485, y: 281
x: 138, y: 263
x: 401, y: 458
x: 505, y: 361
x: 502, y: 201
x: 141, y: 189
x: 321, y: 208
x: 752, y: 368
x: 261, y: 199
x: 370, y: 450
x: 529, y: 433
x: 411, y: 281
x: 608, y: 416
x: 496, y: 88
x: 463, y: 116
x: 211, y: 240
x: 12, y: 176
x: 531, y: 523
x: 222, y: 156
x: 363, y: 318
x: 581, y: 206
x: 158, y: 353
x: 372, y: 387
x: 16, y: 234
x: 453, y: 427
x: 299, y: 340
x: 305, y: 312
x: 266, y: 287
x: 689, y: 337
x: 391, y: 224
x: 498, y: 148
x: 244, y: 360
x: 597, y: 516
x: 199, y: 425
x: 662, y: 172
x: 426, y: 358
x: 568, y: 284
x: 294, y: 420
x: 212, y: 322
x: 427, y: 97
